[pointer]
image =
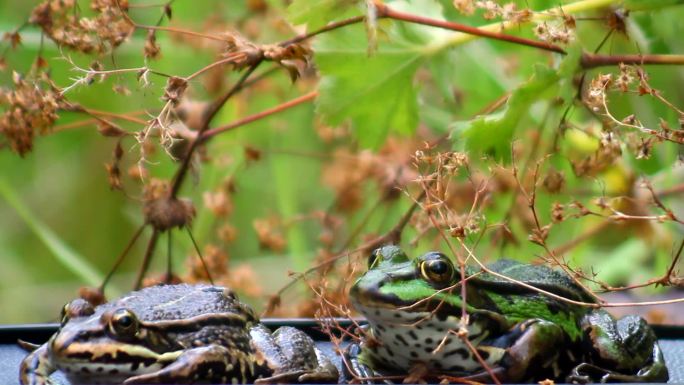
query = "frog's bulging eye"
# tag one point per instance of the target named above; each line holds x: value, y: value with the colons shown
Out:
x: 76, y: 308
x: 437, y: 268
x: 123, y: 323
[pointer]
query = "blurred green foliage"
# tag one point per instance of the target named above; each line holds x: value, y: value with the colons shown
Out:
x: 63, y: 183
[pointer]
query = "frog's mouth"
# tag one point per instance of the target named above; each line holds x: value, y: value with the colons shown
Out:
x: 390, y: 308
x: 103, y: 354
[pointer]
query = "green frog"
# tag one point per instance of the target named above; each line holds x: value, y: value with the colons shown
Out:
x: 172, y: 334
x: 419, y: 321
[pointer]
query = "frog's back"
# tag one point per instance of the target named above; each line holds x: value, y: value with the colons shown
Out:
x: 539, y: 276
x: 174, y: 302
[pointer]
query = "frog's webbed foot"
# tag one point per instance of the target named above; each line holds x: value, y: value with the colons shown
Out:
x: 655, y: 372
x: 36, y: 368
x: 354, y: 369
x: 625, y: 350
x: 326, y: 372
x: 210, y: 364
x: 292, y: 356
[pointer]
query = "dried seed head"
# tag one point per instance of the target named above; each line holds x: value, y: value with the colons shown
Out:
x: 152, y: 50
x: 466, y: 7
x: 61, y: 21
x: 162, y: 211
x: 175, y: 88
x: 30, y: 108
x: 554, y: 181
x: 557, y: 212
x: 92, y: 295
x: 270, y: 234
x: 166, y: 213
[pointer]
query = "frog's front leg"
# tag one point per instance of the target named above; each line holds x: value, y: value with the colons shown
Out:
x: 36, y: 368
x: 292, y: 356
x: 625, y: 350
x: 531, y: 351
x: 357, y: 370
x: 211, y: 364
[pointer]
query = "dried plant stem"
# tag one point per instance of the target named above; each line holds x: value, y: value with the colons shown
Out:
x: 665, y: 279
x: 327, y: 28
x: 591, y: 232
x: 199, y: 255
x: 384, y: 11
x: 185, y: 166
x: 592, y: 60
x: 392, y: 236
x: 147, y: 258
x: 167, y: 29
x: 121, y: 257
x: 210, y: 114
x: 98, y: 113
x: 227, y: 60
x: 260, y: 115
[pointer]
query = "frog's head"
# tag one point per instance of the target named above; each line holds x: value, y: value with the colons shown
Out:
x: 113, y: 341
x: 395, y: 286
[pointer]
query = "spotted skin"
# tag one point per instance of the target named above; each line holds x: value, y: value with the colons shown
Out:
x: 170, y: 334
x: 514, y: 334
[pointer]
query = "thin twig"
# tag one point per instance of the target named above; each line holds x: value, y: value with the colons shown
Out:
x: 593, y: 60
x: 210, y: 114
x: 199, y: 255
x: 147, y: 258
x: 121, y: 257
x: 260, y: 115
x: 384, y: 11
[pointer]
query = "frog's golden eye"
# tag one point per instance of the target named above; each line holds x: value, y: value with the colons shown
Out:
x: 76, y: 308
x: 123, y: 323
x: 437, y: 268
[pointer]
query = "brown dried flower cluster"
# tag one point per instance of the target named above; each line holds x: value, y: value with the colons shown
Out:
x: 556, y: 32
x: 608, y: 152
x: 62, y: 22
x: 492, y: 10
x: 30, y: 108
x: 292, y: 57
x: 447, y: 203
x: 270, y: 233
x: 390, y: 168
x: 595, y: 97
x: 164, y: 212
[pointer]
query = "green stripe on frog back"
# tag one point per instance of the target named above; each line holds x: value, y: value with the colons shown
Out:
x: 416, y: 290
x: 521, y: 308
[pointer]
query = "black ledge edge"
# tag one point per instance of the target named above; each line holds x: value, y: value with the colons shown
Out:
x: 39, y: 333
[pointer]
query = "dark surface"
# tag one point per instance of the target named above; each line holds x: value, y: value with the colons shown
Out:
x: 671, y: 341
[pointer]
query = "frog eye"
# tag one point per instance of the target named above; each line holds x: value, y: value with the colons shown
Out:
x: 123, y: 323
x: 76, y: 308
x: 437, y: 268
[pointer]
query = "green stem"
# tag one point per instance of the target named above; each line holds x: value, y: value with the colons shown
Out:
x: 459, y: 38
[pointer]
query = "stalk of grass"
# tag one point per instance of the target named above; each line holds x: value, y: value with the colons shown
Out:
x: 64, y: 254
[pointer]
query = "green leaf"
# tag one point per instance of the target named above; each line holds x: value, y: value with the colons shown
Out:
x: 492, y: 134
x: 64, y: 254
x: 376, y: 93
x: 317, y: 13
